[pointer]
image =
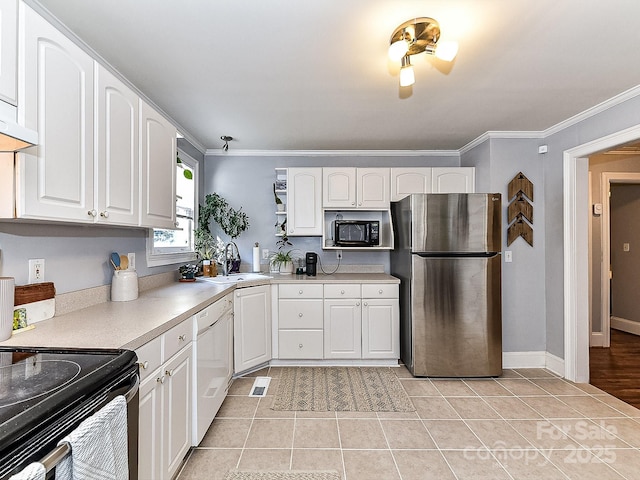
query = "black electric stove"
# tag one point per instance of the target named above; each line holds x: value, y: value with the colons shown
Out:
x: 46, y: 393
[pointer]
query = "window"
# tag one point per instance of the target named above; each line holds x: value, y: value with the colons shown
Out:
x: 165, y: 247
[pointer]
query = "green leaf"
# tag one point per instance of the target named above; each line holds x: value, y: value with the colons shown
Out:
x: 188, y: 175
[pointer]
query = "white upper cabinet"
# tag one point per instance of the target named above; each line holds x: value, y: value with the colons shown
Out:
x: 355, y: 188
x: 8, y: 50
x: 407, y: 180
x: 304, y: 197
x: 339, y: 187
x: 453, y: 179
x: 55, y: 179
x: 117, y: 134
x: 158, y: 138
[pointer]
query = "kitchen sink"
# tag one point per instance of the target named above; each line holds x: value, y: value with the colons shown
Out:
x: 235, y: 278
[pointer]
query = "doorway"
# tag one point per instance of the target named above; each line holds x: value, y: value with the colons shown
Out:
x: 576, y: 249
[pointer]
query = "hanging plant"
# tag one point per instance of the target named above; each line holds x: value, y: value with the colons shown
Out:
x: 232, y: 222
x: 185, y: 171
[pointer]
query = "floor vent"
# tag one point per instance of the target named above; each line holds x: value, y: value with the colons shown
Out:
x: 260, y: 387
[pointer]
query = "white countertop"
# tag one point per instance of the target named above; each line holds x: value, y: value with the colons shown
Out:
x: 132, y: 324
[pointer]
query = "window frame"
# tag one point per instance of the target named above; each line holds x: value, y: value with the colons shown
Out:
x: 169, y: 258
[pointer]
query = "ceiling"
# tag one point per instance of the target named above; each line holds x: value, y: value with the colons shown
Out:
x: 314, y: 75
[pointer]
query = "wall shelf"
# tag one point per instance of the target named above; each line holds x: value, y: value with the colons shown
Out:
x: 383, y: 216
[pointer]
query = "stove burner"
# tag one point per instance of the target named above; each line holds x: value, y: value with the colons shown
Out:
x: 33, y: 377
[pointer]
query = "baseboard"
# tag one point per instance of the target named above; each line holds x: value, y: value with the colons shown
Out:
x: 523, y: 359
x: 625, y: 325
x: 539, y: 359
x: 597, y: 339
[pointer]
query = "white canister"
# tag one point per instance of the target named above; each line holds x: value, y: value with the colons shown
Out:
x: 124, y: 286
x: 7, y: 292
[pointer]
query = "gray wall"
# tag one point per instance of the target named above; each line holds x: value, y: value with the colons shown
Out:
x: 625, y: 228
x: 246, y: 181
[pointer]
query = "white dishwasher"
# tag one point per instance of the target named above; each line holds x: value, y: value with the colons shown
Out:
x: 213, y: 368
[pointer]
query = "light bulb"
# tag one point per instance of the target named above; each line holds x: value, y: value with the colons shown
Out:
x: 447, y: 51
x: 397, y: 50
x: 407, y: 77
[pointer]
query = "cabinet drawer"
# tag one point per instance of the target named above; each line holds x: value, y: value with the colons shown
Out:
x: 300, y: 313
x: 300, y: 344
x: 297, y: 290
x: 149, y: 357
x: 380, y: 290
x: 342, y: 290
x: 177, y: 338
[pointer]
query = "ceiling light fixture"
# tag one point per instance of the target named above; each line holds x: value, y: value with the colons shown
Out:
x: 226, y: 139
x: 417, y: 36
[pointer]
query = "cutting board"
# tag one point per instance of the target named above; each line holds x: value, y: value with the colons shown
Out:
x: 38, y: 299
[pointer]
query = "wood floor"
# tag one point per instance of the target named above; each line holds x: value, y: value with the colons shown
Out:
x: 616, y: 370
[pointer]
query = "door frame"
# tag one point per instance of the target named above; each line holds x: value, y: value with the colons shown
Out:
x: 607, y: 179
x: 576, y: 249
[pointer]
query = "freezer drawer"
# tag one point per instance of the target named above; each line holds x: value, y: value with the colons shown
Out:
x: 456, y: 309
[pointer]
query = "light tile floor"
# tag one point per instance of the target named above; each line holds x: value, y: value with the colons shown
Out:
x: 527, y: 424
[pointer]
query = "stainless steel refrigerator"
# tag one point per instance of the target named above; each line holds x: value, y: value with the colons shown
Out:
x: 447, y: 256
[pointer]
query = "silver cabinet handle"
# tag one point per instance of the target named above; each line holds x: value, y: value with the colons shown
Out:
x: 104, y: 214
x: 380, y: 291
x: 300, y: 315
x: 299, y: 292
x: 143, y: 365
x: 160, y: 379
x: 357, y: 304
x: 342, y: 292
x: 365, y: 304
x: 299, y: 345
x: 182, y: 337
x: 353, y: 203
x: 93, y: 213
x: 169, y: 373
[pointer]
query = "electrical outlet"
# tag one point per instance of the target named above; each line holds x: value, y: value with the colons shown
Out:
x: 265, y: 254
x: 339, y: 254
x: 132, y: 261
x: 508, y: 256
x: 36, y: 270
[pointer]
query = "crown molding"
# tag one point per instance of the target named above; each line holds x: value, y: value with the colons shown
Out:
x: 331, y: 153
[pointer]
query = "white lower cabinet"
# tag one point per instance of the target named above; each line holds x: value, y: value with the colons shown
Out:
x: 347, y: 321
x: 165, y: 403
x: 251, y: 327
x: 300, y: 322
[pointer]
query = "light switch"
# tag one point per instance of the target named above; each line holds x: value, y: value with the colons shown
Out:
x: 625, y: 247
x: 508, y: 256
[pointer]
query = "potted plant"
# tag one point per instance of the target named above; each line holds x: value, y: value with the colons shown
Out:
x: 282, y: 260
x: 205, y: 247
x: 232, y: 222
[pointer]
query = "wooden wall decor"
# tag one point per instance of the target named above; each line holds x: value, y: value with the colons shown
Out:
x: 520, y: 228
x: 520, y: 210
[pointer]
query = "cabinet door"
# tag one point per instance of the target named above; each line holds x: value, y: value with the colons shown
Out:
x: 342, y: 327
x: 339, y: 187
x: 251, y: 327
x: 405, y: 181
x: 158, y: 139
x: 304, y: 196
x: 8, y: 50
x: 177, y: 409
x: 117, y: 129
x: 56, y: 99
x: 380, y: 328
x: 373, y: 187
x: 453, y: 180
x: 150, y: 424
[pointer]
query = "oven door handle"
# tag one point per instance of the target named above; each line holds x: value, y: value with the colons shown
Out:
x: 56, y: 455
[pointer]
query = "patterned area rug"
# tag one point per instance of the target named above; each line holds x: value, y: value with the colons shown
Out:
x: 342, y: 389
x: 286, y: 475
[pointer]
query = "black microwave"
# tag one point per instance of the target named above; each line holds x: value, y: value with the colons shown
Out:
x: 357, y: 233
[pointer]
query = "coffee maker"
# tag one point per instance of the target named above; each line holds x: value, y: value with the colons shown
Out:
x: 312, y: 261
